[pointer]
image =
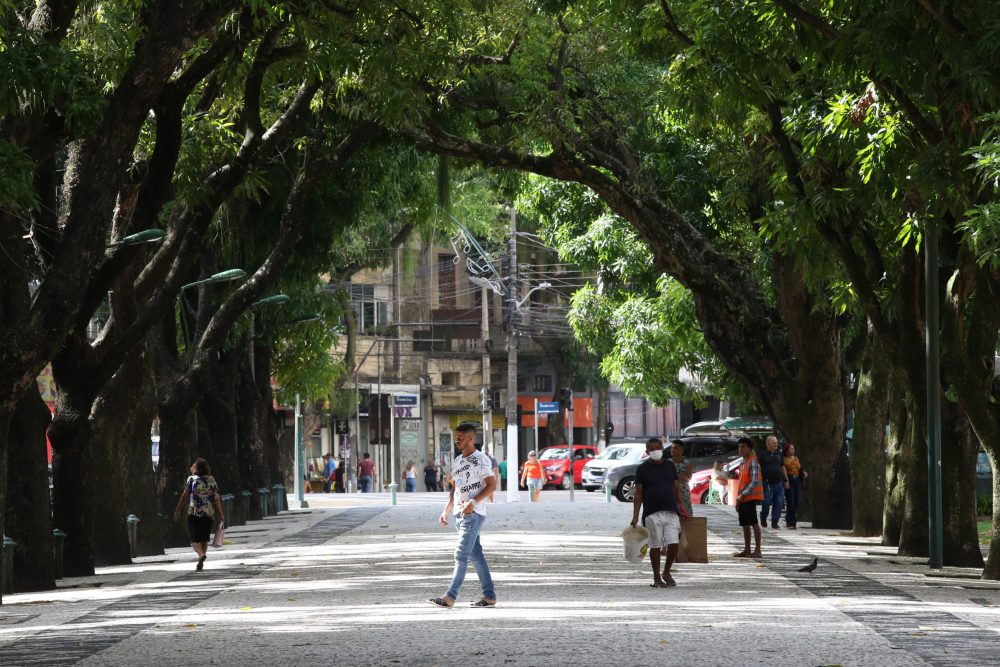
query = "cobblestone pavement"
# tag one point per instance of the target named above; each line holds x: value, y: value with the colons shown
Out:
x: 346, y: 583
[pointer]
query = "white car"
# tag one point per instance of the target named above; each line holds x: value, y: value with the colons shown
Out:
x: 614, y: 455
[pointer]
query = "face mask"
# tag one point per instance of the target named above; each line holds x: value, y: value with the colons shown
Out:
x: 656, y: 455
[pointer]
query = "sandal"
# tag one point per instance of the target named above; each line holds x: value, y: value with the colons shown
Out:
x: 441, y: 602
x: 741, y: 554
x: 201, y: 563
x: 658, y: 584
x: 484, y: 603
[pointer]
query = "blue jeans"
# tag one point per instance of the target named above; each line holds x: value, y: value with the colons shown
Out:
x: 366, y: 483
x: 792, y: 497
x: 411, y: 484
x: 774, y: 498
x: 469, y: 548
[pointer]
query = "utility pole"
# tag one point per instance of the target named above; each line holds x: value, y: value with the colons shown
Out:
x: 513, y: 451
x: 487, y: 403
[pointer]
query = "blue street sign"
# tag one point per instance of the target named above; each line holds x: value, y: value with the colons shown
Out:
x: 405, y: 399
x: 547, y: 408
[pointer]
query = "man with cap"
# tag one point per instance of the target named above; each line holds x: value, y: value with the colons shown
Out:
x: 473, y: 483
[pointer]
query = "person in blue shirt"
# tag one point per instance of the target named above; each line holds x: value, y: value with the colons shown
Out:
x: 329, y: 473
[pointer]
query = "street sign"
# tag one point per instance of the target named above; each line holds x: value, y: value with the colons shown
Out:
x: 547, y: 408
x: 405, y: 399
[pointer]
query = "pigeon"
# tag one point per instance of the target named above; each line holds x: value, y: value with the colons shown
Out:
x: 811, y: 566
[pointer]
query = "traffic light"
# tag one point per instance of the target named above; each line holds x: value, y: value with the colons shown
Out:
x: 485, y: 402
x: 566, y: 398
x: 520, y: 416
x: 609, y: 428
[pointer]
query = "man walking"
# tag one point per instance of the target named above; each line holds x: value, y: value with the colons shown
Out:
x: 366, y: 473
x: 751, y: 492
x: 473, y: 484
x: 772, y: 468
x: 658, y: 494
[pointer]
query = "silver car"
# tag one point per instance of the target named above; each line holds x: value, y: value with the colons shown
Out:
x: 620, y: 473
x: 592, y: 477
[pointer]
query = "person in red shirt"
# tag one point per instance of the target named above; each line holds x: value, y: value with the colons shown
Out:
x: 366, y: 473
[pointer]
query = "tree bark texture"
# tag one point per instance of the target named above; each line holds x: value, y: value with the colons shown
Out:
x: 868, y: 451
x: 138, y: 478
x: 218, y: 420
x: 914, y: 533
x: 29, y: 519
x: 897, y: 442
x: 72, y: 493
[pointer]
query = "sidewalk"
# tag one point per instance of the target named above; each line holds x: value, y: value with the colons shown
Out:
x: 347, y: 586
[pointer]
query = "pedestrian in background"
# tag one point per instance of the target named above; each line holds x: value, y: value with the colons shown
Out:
x: 201, y: 495
x: 795, y: 475
x: 410, y: 477
x: 658, y: 496
x: 749, y: 496
x: 474, y: 482
x: 533, y: 475
x: 338, y: 477
x: 683, y: 467
x: 329, y: 472
x: 431, y: 476
x: 366, y: 473
x: 772, y: 470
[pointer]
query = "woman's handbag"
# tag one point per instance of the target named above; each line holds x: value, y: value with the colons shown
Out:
x: 220, y: 535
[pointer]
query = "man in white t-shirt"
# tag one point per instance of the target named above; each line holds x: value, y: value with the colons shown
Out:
x: 473, y: 482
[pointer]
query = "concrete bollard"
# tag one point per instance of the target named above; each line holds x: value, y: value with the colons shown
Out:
x: 262, y: 495
x: 58, y: 544
x: 392, y: 489
x: 607, y: 490
x: 8, y: 564
x: 133, y: 529
x: 245, y: 497
x: 278, y: 492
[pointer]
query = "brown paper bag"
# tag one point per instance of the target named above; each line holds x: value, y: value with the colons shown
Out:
x: 693, y: 547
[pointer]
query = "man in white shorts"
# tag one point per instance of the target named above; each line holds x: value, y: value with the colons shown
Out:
x: 658, y: 495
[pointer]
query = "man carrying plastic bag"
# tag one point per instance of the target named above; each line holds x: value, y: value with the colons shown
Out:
x: 658, y: 495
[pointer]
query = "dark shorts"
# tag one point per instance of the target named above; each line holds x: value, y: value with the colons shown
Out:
x: 200, y: 528
x: 747, y: 512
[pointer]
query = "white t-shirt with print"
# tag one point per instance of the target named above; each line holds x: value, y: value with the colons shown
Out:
x: 470, y: 478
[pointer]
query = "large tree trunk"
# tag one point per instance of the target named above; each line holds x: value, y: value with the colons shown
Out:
x: 120, y: 426
x: 914, y: 532
x: 73, y: 487
x: 868, y: 454
x: 959, y: 448
x: 177, y: 446
x: 218, y: 419
x: 135, y: 463
x: 256, y: 465
x: 29, y: 520
x: 897, y: 443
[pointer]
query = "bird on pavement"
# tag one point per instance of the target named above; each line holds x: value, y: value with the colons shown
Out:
x: 811, y: 566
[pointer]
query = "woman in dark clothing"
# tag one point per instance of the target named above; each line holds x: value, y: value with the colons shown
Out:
x: 431, y: 476
x: 201, y: 495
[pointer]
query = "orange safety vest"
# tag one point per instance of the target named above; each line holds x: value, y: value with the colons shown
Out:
x: 757, y: 492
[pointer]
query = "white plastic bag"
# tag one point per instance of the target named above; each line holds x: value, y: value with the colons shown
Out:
x: 220, y: 535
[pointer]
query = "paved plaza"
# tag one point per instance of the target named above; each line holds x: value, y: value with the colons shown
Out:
x: 346, y: 583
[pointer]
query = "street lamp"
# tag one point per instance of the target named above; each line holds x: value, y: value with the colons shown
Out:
x: 534, y: 289
x: 273, y: 300
x: 220, y: 277
x: 145, y: 236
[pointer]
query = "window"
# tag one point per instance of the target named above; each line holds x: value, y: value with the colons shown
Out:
x: 542, y: 384
x: 368, y: 311
x: 446, y: 280
x: 450, y: 379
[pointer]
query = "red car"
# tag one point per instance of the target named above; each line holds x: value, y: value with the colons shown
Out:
x: 701, y: 480
x: 556, y: 465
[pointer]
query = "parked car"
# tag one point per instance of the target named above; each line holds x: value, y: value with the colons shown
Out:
x: 701, y: 450
x: 614, y: 455
x: 701, y: 481
x: 556, y: 464
x: 704, y: 450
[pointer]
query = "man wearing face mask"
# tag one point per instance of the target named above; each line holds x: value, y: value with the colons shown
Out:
x: 658, y: 495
